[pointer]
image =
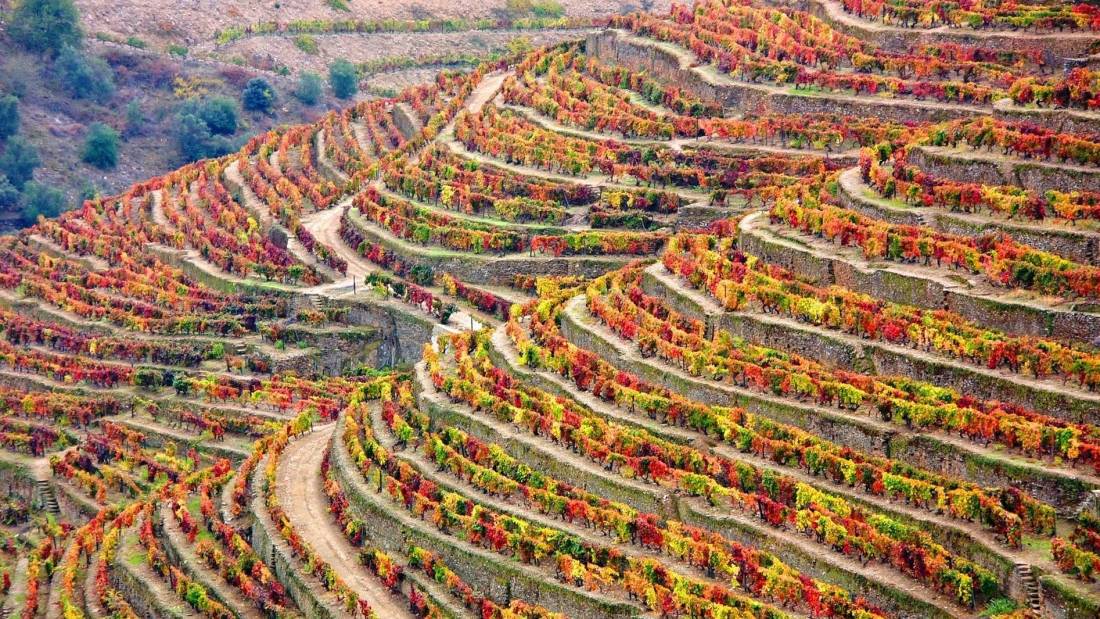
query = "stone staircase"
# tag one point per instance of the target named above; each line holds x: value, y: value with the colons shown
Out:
x: 1031, y: 587
x: 46, y: 497
x: 319, y: 302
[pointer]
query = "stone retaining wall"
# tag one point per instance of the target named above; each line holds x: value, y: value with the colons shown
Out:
x: 498, y: 577
x: 880, y: 593
x: 1033, y: 174
x: 607, y: 485
x: 615, y: 47
x: 874, y: 357
x: 1063, y: 602
x: 892, y: 285
x: 1075, y: 243
x: 1056, y: 48
x: 131, y: 585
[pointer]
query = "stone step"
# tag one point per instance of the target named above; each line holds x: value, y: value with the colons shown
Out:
x: 47, y: 497
x: 1031, y: 586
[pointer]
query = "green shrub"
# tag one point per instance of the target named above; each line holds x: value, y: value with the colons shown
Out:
x: 177, y: 50
x: 40, y: 200
x: 148, y: 378
x: 101, y: 147
x: 343, y: 78
x: 195, y: 141
x: 135, y: 119
x: 306, y: 43
x: 9, y: 116
x: 9, y: 195
x: 85, y: 77
x: 309, y: 88
x: 45, y: 25
x: 219, y: 114
x: 258, y: 95
x: 19, y: 160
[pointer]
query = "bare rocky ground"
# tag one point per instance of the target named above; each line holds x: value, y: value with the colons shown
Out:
x: 265, y: 51
x: 190, y: 22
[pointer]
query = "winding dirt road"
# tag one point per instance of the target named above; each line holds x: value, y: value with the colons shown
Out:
x: 299, y: 489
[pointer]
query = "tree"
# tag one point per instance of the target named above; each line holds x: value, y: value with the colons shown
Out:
x: 9, y: 195
x: 135, y: 120
x: 195, y: 140
x: 309, y: 88
x: 343, y: 78
x: 18, y: 162
x: 219, y: 114
x: 85, y: 77
x: 9, y: 116
x: 101, y: 147
x: 45, y: 25
x: 258, y: 95
x: 40, y: 200
x: 192, y: 136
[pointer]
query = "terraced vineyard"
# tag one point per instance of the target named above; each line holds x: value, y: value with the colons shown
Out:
x: 733, y: 312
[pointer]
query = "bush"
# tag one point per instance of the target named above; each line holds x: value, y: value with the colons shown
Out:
x: 309, y: 88
x: 148, y: 378
x: 85, y: 77
x: 195, y: 140
x: 9, y: 116
x: 9, y: 195
x: 538, y: 8
x: 192, y: 136
x: 306, y: 43
x: 547, y: 8
x: 101, y: 147
x: 40, y: 200
x: 45, y: 25
x: 258, y: 95
x: 135, y: 119
x: 219, y: 114
x: 343, y: 78
x: 18, y: 162
x: 177, y: 50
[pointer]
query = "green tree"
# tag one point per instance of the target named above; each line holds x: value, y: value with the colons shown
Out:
x: 258, y: 95
x: 101, y: 147
x: 18, y: 162
x: 41, y: 200
x: 84, y: 76
x: 219, y: 114
x: 135, y: 120
x: 309, y: 88
x: 343, y: 78
x: 45, y: 25
x: 9, y: 195
x: 192, y: 136
x: 9, y: 116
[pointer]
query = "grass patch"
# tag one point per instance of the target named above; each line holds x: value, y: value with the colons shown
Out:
x: 339, y: 5
x: 306, y: 43
x: 999, y: 606
x: 1040, y: 544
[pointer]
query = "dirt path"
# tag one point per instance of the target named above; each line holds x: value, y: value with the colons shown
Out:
x: 299, y: 490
